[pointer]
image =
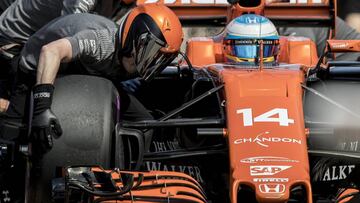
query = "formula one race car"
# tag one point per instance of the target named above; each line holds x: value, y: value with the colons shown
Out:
x: 224, y: 132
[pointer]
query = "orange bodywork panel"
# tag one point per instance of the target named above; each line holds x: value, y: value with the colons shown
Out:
x: 265, y: 131
x: 147, y: 186
x: 344, y: 45
x: 214, y: 9
x: 298, y: 50
x: 203, y: 51
x: 347, y: 192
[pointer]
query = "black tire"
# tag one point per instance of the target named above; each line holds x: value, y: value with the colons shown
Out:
x: 87, y: 110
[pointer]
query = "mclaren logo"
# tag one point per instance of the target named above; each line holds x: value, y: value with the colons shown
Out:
x: 266, y: 170
x: 166, y: 25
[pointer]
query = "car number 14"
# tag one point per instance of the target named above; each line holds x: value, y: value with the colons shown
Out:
x: 270, y: 116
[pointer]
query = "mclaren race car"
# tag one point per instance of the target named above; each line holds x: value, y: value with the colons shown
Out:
x: 223, y: 132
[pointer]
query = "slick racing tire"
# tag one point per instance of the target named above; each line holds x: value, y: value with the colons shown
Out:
x: 87, y: 108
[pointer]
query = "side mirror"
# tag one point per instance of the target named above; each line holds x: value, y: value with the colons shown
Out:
x: 335, y: 46
x: 338, y: 46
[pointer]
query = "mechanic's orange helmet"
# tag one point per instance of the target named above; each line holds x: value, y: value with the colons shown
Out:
x: 152, y: 34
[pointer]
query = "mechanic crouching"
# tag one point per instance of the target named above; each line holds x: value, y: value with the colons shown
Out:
x: 146, y: 41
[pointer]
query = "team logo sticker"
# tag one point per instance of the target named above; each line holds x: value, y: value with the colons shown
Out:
x: 264, y: 140
x: 268, y: 180
x: 262, y: 159
x: 272, y: 188
x: 267, y: 170
x: 333, y: 173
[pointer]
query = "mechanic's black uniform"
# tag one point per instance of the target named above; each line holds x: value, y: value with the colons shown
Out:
x: 24, y: 17
x: 94, y: 40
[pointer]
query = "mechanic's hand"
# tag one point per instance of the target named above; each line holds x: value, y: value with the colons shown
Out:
x: 132, y: 85
x: 4, y: 104
x: 45, y: 125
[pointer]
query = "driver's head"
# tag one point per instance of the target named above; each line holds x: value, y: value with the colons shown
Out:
x: 151, y: 36
x: 242, y: 40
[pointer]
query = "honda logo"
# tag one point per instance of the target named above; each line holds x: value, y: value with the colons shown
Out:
x: 272, y: 188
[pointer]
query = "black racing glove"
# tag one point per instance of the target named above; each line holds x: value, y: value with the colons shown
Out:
x: 45, y: 124
x: 132, y: 85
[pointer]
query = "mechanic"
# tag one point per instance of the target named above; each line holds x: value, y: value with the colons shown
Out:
x: 241, y: 40
x: 24, y: 17
x: 147, y: 40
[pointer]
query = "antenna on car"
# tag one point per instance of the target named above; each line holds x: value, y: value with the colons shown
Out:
x: 261, y: 62
x: 261, y: 50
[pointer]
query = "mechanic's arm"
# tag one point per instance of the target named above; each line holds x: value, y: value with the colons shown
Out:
x: 50, y: 58
x: 45, y: 124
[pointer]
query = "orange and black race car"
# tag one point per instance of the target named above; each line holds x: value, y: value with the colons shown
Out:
x: 224, y: 132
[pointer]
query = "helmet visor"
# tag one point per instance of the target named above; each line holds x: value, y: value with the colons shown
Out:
x: 149, y: 57
x: 248, y: 49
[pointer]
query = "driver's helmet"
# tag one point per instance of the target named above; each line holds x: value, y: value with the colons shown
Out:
x: 152, y: 35
x: 242, y: 40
